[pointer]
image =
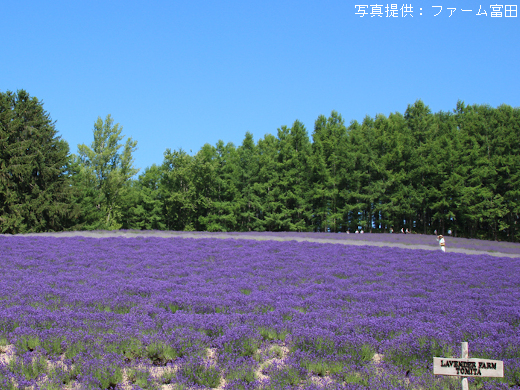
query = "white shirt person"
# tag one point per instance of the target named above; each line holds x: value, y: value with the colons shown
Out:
x: 442, y: 243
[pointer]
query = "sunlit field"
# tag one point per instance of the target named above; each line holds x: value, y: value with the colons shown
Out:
x: 188, y: 313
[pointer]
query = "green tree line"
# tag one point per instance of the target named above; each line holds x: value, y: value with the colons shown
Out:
x: 419, y: 170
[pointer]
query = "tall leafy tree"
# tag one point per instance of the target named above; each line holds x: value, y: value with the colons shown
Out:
x: 35, y: 192
x: 108, y: 168
x: 179, y: 190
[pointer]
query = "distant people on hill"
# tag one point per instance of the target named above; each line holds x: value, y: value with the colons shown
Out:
x: 402, y: 230
x: 391, y: 230
x: 357, y: 231
x: 442, y: 243
x: 407, y: 232
x: 435, y: 232
x: 449, y: 232
x: 362, y: 231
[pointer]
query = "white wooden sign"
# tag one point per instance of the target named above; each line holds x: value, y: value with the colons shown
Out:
x: 467, y: 367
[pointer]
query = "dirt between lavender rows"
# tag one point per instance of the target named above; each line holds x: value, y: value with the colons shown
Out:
x: 259, y: 237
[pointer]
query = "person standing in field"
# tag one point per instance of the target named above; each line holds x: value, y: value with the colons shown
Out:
x: 442, y: 243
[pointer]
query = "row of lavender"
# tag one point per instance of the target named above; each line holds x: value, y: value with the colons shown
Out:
x: 395, y: 238
x: 115, y: 303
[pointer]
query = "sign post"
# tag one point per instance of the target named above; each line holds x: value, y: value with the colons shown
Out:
x: 467, y: 367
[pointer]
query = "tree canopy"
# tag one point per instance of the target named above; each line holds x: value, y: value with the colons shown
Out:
x: 420, y: 171
x: 105, y: 173
x: 35, y: 195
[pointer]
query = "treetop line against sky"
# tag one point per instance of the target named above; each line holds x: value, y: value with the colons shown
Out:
x: 181, y: 74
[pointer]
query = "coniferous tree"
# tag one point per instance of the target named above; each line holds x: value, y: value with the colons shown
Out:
x: 288, y: 206
x: 403, y: 194
x: 484, y: 206
x: 35, y: 192
x: 334, y: 146
x: 507, y: 157
x: 447, y: 182
x: 318, y: 194
x: 285, y: 198
x: 205, y: 167
x: 296, y: 168
x: 351, y: 196
x: 266, y: 187
x: 226, y: 205
x: 328, y: 151
x: 421, y: 125
x: 249, y: 205
x: 380, y: 141
x: 367, y: 173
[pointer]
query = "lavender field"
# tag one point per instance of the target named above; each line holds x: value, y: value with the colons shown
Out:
x: 413, y: 240
x: 187, y: 313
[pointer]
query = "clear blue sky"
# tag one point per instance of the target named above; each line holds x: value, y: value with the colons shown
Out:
x: 179, y: 74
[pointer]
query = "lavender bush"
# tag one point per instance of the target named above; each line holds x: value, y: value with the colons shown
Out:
x: 150, y: 312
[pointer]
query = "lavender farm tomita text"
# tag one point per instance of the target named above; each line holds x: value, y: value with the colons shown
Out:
x: 249, y: 314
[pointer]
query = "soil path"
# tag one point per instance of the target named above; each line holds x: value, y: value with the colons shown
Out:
x: 260, y: 237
